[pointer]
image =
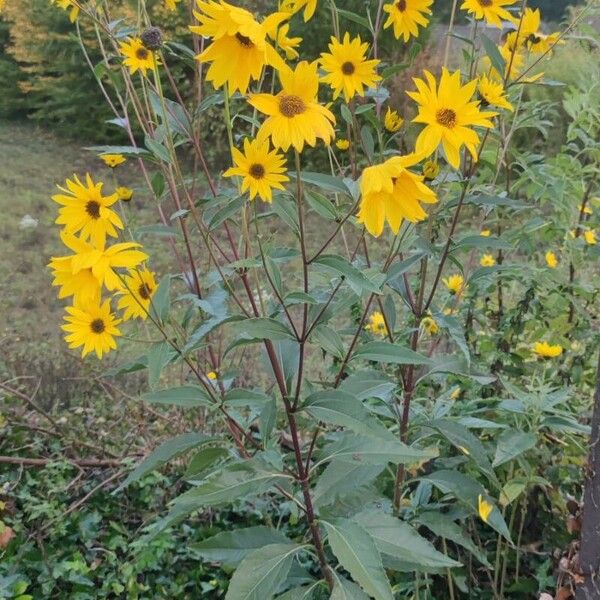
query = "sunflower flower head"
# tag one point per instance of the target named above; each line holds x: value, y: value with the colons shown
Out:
x: 347, y: 69
x: 455, y: 283
x: 342, y: 144
x: 84, y: 209
x: 392, y: 120
x: 406, y: 16
x: 288, y: 44
x: 492, y: 93
x: 112, y: 160
x: 449, y: 115
x: 294, y: 6
x: 137, y: 56
x: 430, y: 325
x: 590, y: 237
x: 124, y: 193
x: 137, y: 289
x: 81, y: 285
x: 92, y: 326
x: 484, y: 508
x: 546, y: 350
x: 487, y: 260
x: 431, y: 169
x: 376, y: 324
x: 294, y: 115
x: 492, y: 11
x: 239, y: 50
x: 390, y: 192
x: 551, y: 259
x: 262, y: 169
x: 531, y: 36
x: 485, y: 233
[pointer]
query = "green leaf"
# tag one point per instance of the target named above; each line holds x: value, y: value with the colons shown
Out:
x: 132, y: 151
x: 494, y: 54
x: 329, y: 340
x: 160, y: 304
x: 253, y: 476
x: 157, y: 149
x: 480, y: 241
x: 385, y: 352
x: 230, y: 208
x: 341, y: 478
x: 346, y: 590
x: 206, y: 461
x: 159, y: 357
x: 186, y: 395
x: 368, y: 142
x: 321, y: 205
x: 512, y: 443
x: 443, y: 526
x: 267, y: 419
x: 356, y: 551
x: 368, y: 384
x: 306, y: 592
x: 262, y: 572
x: 165, y: 452
x: 403, y: 549
x: 286, y: 210
x: 243, y: 397
x: 466, y: 442
x: 231, y: 547
x: 351, y: 16
x: 354, y: 277
x: 343, y: 409
x: 262, y: 328
x: 371, y: 451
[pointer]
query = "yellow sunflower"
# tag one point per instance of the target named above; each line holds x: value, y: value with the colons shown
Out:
x: 172, y: 4
x: 113, y: 160
x: 138, y: 288
x: 137, y: 56
x: 431, y: 169
x: 530, y: 34
x: 406, y: 16
x: 70, y: 6
x: 239, y: 49
x: 392, y: 120
x: 347, y: 69
x: 85, y: 209
x: 551, y: 259
x: 430, y: 325
x: 287, y: 44
x: 448, y: 112
x: 590, y: 237
x: 101, y: 260
x: 82, y: 286
x: 546, y: 350
x: 492, y: 11
x: 342, y: 144
x: 294, y: 6
x: 492, y: 93
x: 390, y: 192
x: 262, y: 170
x: 484, y: 508
x: 294, y: 115
x: 454, y: 283
x: 92, y: 326
x: 376, y: 324
x: 485, y: 233
x: 125, y: 194
x: 487, y: 260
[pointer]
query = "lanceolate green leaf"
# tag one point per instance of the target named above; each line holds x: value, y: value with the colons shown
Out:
x: 512, y: 443
x: 356, y: 551
x: 343, y: 409
x: 370, y: 451
x: 403, y: 549
x: 231, y: 547
x: 384, y: 352
x: 165, y: 452
x: 186, y: 395
x: 342, y: 267
x: 346, y: 590
x: 262, y: 572
x: 265, y: 328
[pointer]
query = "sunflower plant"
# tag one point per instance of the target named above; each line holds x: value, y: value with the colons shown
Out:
x: 330, y: 287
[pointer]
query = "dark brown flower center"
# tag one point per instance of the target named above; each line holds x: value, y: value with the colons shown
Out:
x: 257, y: 171
x: 290, y: 106
x: 446, y: 117
x: 97, y: 326
x: 534, y: 39
x: 348, y: 68
x: 401, y: 5
x: 244, y: 41
x: 145, y: 291
x: 92, y: 208
x: 142, y: 53
x: 486, y: 3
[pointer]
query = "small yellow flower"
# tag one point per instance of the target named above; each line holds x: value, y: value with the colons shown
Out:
x: 136, y: 56
x: 590, y: 237
x: 454, y: 283
x: 65, y: 5
x: 294, y: 6
x: 406, y: 16
x: 487, y: 260
x: 286, y: 43
x: 137, y: 289
x: 342, y: 144
x: 551, y: 259
x: 211, y: 375
x: 485, y: 233
x: 485, y: 508
x: 113, y: 160
x: 455, y: 394
x: 376, y: 324
x: 431, y: 169
x: 392, y: 120
x: 125, y: 194
x: 171, y: 4
x: 546, y: 350
x: 429, y: 325
x: 492, y: 93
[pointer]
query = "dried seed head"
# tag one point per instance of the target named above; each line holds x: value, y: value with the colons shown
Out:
x: 152, y: 38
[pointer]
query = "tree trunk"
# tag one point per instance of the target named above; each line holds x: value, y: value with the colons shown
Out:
x: 589, y: 554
